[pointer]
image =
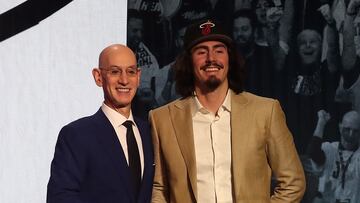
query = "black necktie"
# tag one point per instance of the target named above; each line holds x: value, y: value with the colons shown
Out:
x: 133, y: 154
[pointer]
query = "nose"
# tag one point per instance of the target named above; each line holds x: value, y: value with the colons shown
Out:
x: 351, y: 132
x: 210, y: 56
x: 123, y: 79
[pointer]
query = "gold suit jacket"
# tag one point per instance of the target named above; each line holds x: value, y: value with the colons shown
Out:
x: 261, y: 145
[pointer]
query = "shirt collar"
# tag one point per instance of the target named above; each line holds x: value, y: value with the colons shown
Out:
x: 198, y: 107
x: 227, y: 102
x: 116, y: 119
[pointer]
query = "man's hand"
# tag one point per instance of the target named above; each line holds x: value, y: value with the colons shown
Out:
x: 353, y: 7
x: 326, y: 13
x: 273, y: 15
x: 323, y: 117
x: 169, y: 8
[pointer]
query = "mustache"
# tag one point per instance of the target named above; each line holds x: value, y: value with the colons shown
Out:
x: 211, y: 64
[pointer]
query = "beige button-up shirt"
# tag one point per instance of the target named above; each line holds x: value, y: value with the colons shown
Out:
x: 212, y: 133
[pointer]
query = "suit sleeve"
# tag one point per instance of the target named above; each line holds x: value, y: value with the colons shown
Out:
x: 283, y: 160
x: 66, y: 173
x: 160, y: 185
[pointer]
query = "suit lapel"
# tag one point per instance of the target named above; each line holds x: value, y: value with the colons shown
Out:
x: 109, y: 141
x: 239, y: 140
x: 181, y: 117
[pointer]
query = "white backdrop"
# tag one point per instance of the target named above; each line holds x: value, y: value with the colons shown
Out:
x: 46, y: 82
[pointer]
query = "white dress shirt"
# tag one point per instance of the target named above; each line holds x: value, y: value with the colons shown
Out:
x: 116, y: 120
x: 212, y: 138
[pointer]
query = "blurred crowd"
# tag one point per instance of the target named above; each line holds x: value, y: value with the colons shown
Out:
x: 304, y: 53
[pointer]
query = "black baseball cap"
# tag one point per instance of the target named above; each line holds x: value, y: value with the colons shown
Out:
x: 205, y: 30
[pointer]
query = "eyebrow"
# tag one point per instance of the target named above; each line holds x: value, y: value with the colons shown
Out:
x: 115, y: 66
x: 207, y: 47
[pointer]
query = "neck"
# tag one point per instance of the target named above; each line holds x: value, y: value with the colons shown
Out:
x: 349, y: 145
x: 310, y: 68
x: 125, y: 111
x: 212, y: 100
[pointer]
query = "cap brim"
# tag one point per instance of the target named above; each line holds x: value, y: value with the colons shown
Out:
x: 212, y: 37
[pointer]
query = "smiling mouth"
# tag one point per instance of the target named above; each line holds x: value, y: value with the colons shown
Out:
x: 121, y: 89
x: 210, y: 67
x: 308, y: 53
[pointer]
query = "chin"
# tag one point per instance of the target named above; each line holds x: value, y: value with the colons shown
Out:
x: 122, y: 104
x: 307, y: 60
x: 213, y: 83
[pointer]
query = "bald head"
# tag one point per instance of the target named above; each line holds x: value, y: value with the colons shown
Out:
x: 352, y: 118
x: 350, y: 130
x: 119, y: 77
x: 307, y: 33
x: 309, y: 47
x: 116, y: 51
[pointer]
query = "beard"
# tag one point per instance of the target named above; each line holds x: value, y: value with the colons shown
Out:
x: 212, y: 83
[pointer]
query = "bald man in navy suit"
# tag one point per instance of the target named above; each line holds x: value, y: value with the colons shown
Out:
x: 106, y: 157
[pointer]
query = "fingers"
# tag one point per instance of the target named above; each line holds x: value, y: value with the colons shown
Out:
x: 326, y: 13
x: 323, y: 115
x: 353, y: 6
x: 274, y: 14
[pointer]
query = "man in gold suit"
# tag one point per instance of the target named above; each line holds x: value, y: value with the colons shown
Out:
x: 219, y: 143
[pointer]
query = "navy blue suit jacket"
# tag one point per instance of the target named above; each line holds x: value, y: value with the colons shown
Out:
x: 89, y: 165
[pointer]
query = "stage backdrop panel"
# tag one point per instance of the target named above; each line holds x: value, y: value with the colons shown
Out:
x: 46, y: 82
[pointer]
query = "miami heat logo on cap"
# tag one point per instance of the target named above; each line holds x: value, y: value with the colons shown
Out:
x: 206, y: 27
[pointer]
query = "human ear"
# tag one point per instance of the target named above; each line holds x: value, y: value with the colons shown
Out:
x: 139, y: 76
x: 97, y: 77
